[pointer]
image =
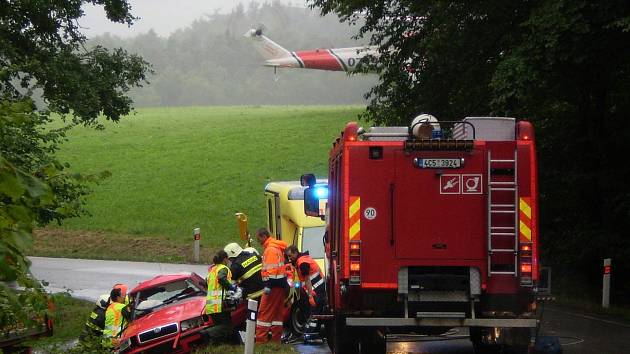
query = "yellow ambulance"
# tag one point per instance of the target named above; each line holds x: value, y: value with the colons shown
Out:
x: 287, y: 222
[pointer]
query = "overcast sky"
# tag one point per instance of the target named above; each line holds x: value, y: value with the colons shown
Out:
x: 164, y: 16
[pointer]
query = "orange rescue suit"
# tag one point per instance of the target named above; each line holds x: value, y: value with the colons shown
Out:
x: 274, y: 274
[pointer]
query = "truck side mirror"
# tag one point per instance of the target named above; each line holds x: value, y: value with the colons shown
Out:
x: 314, y: 197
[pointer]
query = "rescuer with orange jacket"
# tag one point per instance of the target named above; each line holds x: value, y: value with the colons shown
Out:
x: 312, y: 279
x: 271, y: 309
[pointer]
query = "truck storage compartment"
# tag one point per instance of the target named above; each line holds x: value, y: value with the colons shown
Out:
x: 439, y: 213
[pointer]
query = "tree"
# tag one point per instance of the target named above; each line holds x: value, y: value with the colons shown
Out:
x: 42, y: 53
x: 563, y: 64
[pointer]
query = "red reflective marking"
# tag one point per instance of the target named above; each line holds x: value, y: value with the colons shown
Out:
x: 379, y: 285
x: 319, y: 59
x: 606, y: 269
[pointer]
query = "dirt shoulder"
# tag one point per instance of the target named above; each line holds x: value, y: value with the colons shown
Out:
x: 56, y: 242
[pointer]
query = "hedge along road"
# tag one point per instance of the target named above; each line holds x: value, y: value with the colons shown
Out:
x: 88, y: 279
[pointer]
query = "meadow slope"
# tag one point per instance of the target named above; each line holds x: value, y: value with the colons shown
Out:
x: 174, y: 169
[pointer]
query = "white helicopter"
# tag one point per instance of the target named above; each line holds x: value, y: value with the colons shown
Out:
x: 332, y: 59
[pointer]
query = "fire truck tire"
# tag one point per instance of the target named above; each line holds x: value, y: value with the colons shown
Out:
x: 519, y: 342
x: 372, y: 342
x: 297, y: 319
x: 340, y: 337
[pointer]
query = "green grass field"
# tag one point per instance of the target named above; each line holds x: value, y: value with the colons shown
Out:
x: 174, y: 169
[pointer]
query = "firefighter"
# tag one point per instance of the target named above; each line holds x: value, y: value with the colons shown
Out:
x: 271, y: 309
x: 245, y: 267
x: 312, y: 279
x: 222, y: 295
x: 96, y: 322
x: 116, y: 316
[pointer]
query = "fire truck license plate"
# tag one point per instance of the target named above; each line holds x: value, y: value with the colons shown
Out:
x: 440, y: 163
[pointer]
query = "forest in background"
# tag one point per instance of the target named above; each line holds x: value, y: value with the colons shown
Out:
x: 211, y: 63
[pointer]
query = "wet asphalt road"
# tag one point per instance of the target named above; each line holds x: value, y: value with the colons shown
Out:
x: 578, y: 333
x: 88, y: 279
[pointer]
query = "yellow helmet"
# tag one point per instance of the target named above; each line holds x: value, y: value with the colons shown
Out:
x: 233, y: 250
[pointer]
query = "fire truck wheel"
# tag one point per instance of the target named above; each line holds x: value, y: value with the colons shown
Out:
x: 340, y: 337
x: 297, y: 319
x: 372, y: 342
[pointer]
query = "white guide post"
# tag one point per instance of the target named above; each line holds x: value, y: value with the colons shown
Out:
x: 250, y: 329
x: 197, y: 236
x: 606, y: 283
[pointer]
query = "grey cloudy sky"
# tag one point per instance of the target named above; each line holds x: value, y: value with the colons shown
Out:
x: 163, y: 16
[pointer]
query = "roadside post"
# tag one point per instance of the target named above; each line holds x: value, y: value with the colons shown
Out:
x: 250, y: 329
x: 197, y: 237
x: 606, y: 284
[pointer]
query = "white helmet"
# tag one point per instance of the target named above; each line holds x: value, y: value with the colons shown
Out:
x: 233, y: 250
x: 103, y: 301
x: 251, y: 250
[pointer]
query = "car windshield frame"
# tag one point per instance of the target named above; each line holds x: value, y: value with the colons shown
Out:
x: 166, y: 293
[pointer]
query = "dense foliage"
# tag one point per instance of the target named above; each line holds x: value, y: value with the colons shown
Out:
x: 211, y: 63
x: 563, y: 64
x: 42, y: 54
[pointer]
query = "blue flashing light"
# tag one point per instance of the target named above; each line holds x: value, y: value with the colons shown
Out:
x: 321, y: 192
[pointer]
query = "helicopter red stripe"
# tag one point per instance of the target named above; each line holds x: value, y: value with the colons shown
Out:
x: 319, y: 59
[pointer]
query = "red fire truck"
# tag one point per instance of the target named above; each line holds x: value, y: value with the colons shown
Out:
x: 430, y: 229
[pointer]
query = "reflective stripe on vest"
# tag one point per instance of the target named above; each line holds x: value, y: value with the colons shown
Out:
x: 273, y: 265
x: 255, y: 295
x: 316, y: 285
x: 216, y: 293
x: 263, y: 324
x: 273, y: 259
x: 93, y: 326
x: 315, y: 274
x: 250, y: 272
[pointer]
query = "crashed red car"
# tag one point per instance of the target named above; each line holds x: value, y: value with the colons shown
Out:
x: 168, y: 315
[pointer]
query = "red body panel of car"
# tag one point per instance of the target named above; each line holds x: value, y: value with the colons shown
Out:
x: 189, y: 308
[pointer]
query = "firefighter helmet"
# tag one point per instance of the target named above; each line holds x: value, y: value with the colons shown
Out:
x: 103, y: 301
x: 233, y: 250
x: 251, y: 250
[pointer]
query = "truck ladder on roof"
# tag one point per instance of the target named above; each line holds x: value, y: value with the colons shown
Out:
x: 507, y: 190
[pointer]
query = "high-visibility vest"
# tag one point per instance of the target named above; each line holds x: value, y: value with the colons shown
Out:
x: 114, y: 322
x: 273, y: 259
x: 315, y: 274
x: 216, y: 292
